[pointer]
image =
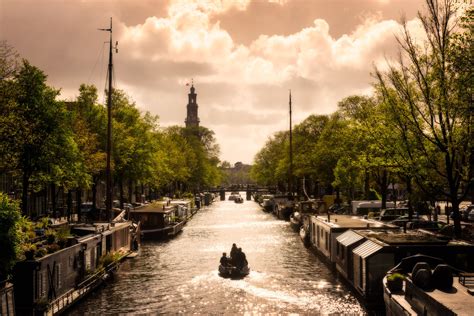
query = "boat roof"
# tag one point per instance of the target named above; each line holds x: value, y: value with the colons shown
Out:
x: 396, y: 237
x: 351, y: 221
x: 367, y: 249
x: 156, y: 207
x: 348, y: 238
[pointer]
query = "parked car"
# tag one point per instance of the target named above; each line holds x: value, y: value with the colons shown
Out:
x: 391, y: 214
x: 470, y: 217
x: 404, y: 220
x: 426, y: 225
x: 463, y: 212
x: 86, y: 207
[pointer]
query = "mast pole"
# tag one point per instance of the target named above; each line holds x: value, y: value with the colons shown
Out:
x: 290, y: 184
x: 108, y: 172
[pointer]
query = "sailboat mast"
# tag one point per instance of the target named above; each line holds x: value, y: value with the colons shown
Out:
x: 108, y: 172
x: 290, y: 180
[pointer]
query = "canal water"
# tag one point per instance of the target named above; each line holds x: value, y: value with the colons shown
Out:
x: 180, y: 275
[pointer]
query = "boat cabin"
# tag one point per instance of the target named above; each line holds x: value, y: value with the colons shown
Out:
x: 160, y: 219
x: 324, y: 231
x: 383, y: 249
x: 345, y: 244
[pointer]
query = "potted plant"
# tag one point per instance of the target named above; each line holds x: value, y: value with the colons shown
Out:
x: 29, y: 251
x: 395, y: 282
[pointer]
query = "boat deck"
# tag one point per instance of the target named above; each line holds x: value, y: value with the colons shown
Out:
x: 458, y: 300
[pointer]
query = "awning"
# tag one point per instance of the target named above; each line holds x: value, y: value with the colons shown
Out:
x: 348, y: 238
x: 367, y: 249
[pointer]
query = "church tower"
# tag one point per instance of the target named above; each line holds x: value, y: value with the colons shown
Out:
x: 192, y: 119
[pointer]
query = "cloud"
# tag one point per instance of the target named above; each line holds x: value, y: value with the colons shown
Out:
x: 244, y: 56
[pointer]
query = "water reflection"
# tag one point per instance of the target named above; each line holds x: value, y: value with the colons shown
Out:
x: 180, y: 276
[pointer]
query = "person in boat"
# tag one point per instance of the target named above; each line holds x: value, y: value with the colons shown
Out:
x: 233, y: 254
x: 242, y: 259
x: 224, y: 260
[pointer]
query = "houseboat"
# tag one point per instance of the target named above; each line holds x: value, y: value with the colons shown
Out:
x: 364, y: 256
x: 324, y: 230
x: 51, y: 283
x: 284, y: 207
x: 185, y: 208
x: 159, y: 220
x: 268, y: 202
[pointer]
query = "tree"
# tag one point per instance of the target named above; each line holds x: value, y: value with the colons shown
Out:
x: 427, y: 111
x: 267, y: 168
x: 38, y: 139
x: 306, y: 135
x: 89, y: 127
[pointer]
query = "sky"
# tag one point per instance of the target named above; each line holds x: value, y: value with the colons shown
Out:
x: 242, y: 55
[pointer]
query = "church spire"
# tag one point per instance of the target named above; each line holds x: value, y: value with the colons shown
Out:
x: 192, y: 119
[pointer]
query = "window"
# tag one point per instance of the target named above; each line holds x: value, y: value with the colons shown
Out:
x: 58, y: 275
x: 327, y: 240
x: 87, y: 259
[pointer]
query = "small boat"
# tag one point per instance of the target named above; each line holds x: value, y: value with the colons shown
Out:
x: 233, y: 272
x: 238, y: 199
x: 304, y: 231
x: 296, y: 221
x: 233, y: 196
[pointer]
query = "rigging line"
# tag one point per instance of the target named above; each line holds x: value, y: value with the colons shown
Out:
x: 101, y: 54
x: 113, y: 77
x: 102, y: 71
x: 105, y: 86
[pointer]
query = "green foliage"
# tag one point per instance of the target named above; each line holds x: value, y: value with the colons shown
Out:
x: 43, y: 223
x: 427, y: 99
x: 269, y: 166
x: 28, y: 251
x: 51, y: 236
x: 42, y: 148
x: 109, y: 258
x: 62, y: 235
x: 10, y: 235
x: 396, y: 276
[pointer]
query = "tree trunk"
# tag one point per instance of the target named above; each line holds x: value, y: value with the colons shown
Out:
x: 53, y: 199
x: 456, y: 218
x: 366, y: 184
x: 122, y: 195
x: 78, y: 203
x: 410, y: 208
x: 94, y: 194
x: 69, y: 205
x: 383, y: 189
x: 130, y: 191
x: 24, y: 193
